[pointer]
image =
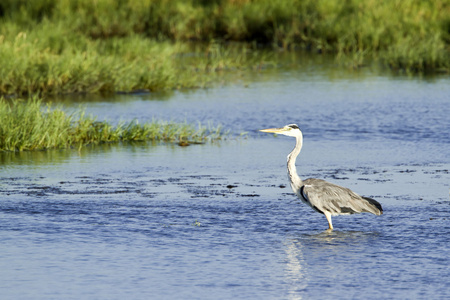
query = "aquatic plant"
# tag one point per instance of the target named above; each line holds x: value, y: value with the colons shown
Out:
x: 197, y: 223
x: 30, y: 125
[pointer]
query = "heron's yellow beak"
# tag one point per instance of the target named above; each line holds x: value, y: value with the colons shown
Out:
x: 273, y: 130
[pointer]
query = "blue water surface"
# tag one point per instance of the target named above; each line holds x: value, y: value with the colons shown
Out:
x: 219, y: 221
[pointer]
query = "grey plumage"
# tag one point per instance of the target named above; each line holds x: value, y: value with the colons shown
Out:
x: 339, y: 200
x: 324, y: 197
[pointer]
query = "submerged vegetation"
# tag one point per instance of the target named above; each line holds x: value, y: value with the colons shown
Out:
x: 24, y: 125
x: 51, y: 47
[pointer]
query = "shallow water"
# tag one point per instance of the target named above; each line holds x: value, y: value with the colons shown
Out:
x: 219, y: 221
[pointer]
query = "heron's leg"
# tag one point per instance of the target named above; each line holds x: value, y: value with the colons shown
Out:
x: 328, y: 215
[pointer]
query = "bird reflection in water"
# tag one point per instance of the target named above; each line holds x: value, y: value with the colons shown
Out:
x: 308, y: 257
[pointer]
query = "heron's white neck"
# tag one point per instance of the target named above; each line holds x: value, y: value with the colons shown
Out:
x: 296, y: 181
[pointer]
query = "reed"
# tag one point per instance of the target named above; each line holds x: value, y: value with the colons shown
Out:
x: 30, y: 125
x: 37, y: 63
x: 65, y: 46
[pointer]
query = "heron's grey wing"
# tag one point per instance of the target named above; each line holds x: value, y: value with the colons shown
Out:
x: 325, y: 196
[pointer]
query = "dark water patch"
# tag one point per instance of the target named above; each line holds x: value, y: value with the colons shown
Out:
x: 101, y: 186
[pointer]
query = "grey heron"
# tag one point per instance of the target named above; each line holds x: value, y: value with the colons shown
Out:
x: 324, y: 197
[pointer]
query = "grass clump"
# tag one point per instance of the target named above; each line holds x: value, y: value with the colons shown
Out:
x: 31, y: 126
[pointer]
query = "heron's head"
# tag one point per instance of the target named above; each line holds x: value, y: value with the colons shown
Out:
x: 289, y: 130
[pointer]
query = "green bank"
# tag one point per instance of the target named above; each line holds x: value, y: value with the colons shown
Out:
x: 30, y: 125
x: 103, y: 46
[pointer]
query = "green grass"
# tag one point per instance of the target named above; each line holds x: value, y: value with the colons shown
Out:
x: 28, y: 125
x: 50, y: 47
x: 103, y: 46
x: 30, y: 66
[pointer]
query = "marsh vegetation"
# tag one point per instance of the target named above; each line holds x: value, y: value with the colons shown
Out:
x: 50, y: 47
x: 24, y: 125
x: 67, y: 46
